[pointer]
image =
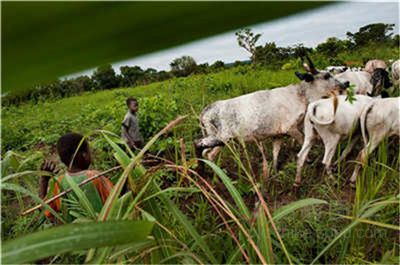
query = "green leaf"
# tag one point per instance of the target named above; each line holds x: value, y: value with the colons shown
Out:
x: 19, y: 174
x: 73, y: 237
x: 288, y: 209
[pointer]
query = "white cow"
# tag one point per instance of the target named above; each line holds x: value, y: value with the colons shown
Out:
x: 361, y: 80
x: 321, y: 120
x: 263, y: 114
x: 366, y: 83
x: 371, y: 65
x: 379, y: 119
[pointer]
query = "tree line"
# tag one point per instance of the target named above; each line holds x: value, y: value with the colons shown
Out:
x: 268, y: 55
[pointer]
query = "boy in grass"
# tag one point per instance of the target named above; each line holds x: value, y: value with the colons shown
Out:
x: 77, y: 162
x: 130, y: 126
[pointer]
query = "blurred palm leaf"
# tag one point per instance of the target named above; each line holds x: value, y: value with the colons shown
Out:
x: 42, y: 41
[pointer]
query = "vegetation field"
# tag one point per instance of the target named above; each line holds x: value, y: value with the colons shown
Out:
x: 237, y: 211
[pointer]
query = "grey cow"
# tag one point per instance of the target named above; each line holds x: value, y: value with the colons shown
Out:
x: 263, y: 114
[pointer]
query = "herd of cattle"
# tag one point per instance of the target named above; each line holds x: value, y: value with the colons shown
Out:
x: 316, y: 108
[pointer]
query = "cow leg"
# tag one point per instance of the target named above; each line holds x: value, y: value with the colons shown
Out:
x: 348, y: 149
x: 330, y: 149
x: 368, y: 149
x: 309, y: 136
x: 296, y: 134
x: 302, y: 156
x: 208, y: 142
x: 212, y: 153
x: 205, y: 146
x: 276, y: 147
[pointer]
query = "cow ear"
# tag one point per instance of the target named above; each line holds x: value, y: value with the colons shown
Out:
x: 299, y: 75
x: 306, y: 77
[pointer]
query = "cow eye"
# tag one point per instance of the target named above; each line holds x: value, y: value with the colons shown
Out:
x: 327, y: 76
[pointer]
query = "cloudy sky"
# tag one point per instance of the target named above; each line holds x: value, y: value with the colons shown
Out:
x: 309, y: 28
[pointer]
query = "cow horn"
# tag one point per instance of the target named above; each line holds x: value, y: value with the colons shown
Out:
x: 305, y: 65
x: 312, y: 68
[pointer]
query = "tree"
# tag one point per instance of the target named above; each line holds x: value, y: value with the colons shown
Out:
x: 131, y: 76
x: 104, y: 77
x: 332, y: 47
x: 218, y: 65
x: 396, y: 40
x: 269, y: 54
x: 183, y: 66
x: 378, y: 32
x: 203, y: 68
x: 247, y: 40
x: 83, y: 83
x: 162, y: 75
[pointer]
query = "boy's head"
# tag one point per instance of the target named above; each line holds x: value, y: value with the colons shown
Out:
x: 67, y: 146
x: 133, y: 104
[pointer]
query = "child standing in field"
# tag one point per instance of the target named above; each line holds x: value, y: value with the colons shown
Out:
x: 77, y: 162
x: 130, y: 126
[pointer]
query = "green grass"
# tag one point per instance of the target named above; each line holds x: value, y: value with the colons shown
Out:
x: 222, y: 217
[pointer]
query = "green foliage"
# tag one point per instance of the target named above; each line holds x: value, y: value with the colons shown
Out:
x: 183, y: 66
x: 333, y: 46
x: 378, y: 33
x: 104, y: 77
x: 350, y: 94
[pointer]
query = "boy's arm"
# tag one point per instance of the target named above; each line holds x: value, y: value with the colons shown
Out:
x: 43, y: 185
x: 44, y: 180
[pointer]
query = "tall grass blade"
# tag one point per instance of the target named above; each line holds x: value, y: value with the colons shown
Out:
x: 72, y: 237
x: 368, y: 213
x: 288, y: 209
x: 264, y: 236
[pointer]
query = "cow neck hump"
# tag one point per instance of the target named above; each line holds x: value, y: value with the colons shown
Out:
x: 302, y: 93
